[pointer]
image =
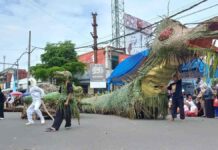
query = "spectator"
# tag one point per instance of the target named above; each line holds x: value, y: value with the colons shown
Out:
x: 190, y: 108
x: 2, y: 100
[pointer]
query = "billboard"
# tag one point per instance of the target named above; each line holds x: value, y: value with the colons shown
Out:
x: 137, y: 42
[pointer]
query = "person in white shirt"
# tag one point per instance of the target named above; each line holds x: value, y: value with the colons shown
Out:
x: 190, y: 108
x: 37, y: 94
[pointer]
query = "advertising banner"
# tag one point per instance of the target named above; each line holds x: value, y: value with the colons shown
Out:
x: 139, y: 41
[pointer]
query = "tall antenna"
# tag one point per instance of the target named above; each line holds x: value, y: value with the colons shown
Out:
x: 118, y: 29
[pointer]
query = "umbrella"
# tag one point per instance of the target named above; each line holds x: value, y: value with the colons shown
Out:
x: 16, y: 94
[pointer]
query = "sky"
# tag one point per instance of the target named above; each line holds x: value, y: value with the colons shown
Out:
x: 59, y: 20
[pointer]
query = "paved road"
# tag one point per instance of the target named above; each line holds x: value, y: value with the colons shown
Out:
x: 99, y: 132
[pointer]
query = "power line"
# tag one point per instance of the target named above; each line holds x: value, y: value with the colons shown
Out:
x: 188, y: 8
x: 175, y: 10
x: 36, y: 6
x: 151, y: 25
x: 89, y: 42
x: 198, y: 11
x: 134, y: 32
x: 106, y: 36
x: 183, y: 7
x: 108, y: 41
x: 206, y: 18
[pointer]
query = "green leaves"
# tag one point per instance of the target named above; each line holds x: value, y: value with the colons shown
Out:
x: 57, y: 54
x: 57, y: 57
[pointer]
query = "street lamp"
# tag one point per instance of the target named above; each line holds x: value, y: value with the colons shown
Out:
x: 29, y: 60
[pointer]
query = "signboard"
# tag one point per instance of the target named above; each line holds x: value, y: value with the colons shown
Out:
x: 137, y: 42
x: 97, y: 76
x: 135, y: 23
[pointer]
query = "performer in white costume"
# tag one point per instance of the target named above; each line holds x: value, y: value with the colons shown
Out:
x: 37, y: 94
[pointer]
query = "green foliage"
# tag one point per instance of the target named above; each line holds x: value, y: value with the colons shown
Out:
x: 128, y: 101
x: 57, y: 54
x: 53, y: 69
x: 57, y: 57
x: 40, y: 72
x: 27, y: 100
x: 51, y: 98
x: 75, y: 67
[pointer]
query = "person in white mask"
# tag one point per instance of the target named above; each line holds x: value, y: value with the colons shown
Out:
x: 37, y: 95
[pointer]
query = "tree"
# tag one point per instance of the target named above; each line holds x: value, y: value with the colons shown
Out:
x: 57, y: 57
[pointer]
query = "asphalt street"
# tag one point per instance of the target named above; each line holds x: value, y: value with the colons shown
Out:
x: 106, y: 132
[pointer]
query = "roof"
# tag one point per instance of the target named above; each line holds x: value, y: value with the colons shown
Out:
x: 88, y: 58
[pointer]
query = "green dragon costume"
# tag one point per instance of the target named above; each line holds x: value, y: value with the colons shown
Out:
x: 145, y: 96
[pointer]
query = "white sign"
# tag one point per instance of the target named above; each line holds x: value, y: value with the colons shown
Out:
x: 97, y: 76
x: 97, y: 72
x: 97, y: 84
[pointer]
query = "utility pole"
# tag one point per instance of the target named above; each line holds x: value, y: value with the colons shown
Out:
x: 17, y: 74
x: 29, y: 52
x: 95, y: 36
x: 3, y: 62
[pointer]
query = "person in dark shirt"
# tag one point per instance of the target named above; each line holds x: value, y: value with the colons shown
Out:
x: 177, y: 96
x: 64, y: 109
x: 2, y: 100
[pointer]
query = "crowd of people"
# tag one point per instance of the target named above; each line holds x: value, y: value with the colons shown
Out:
x: 202, y: 103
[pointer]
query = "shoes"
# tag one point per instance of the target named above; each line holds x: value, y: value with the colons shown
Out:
x: 51, y: 129
x: 29, y: 123
x: 43, y: 122
x: 2, y: 118
x: 68, y: 127
x: 172, y: 119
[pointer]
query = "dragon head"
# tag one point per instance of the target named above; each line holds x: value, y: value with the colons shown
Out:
x: 174, y: 40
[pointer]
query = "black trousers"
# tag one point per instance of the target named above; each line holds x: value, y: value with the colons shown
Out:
x: 1, y: 110
x: 178, y: 102
x: 62, y: 113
